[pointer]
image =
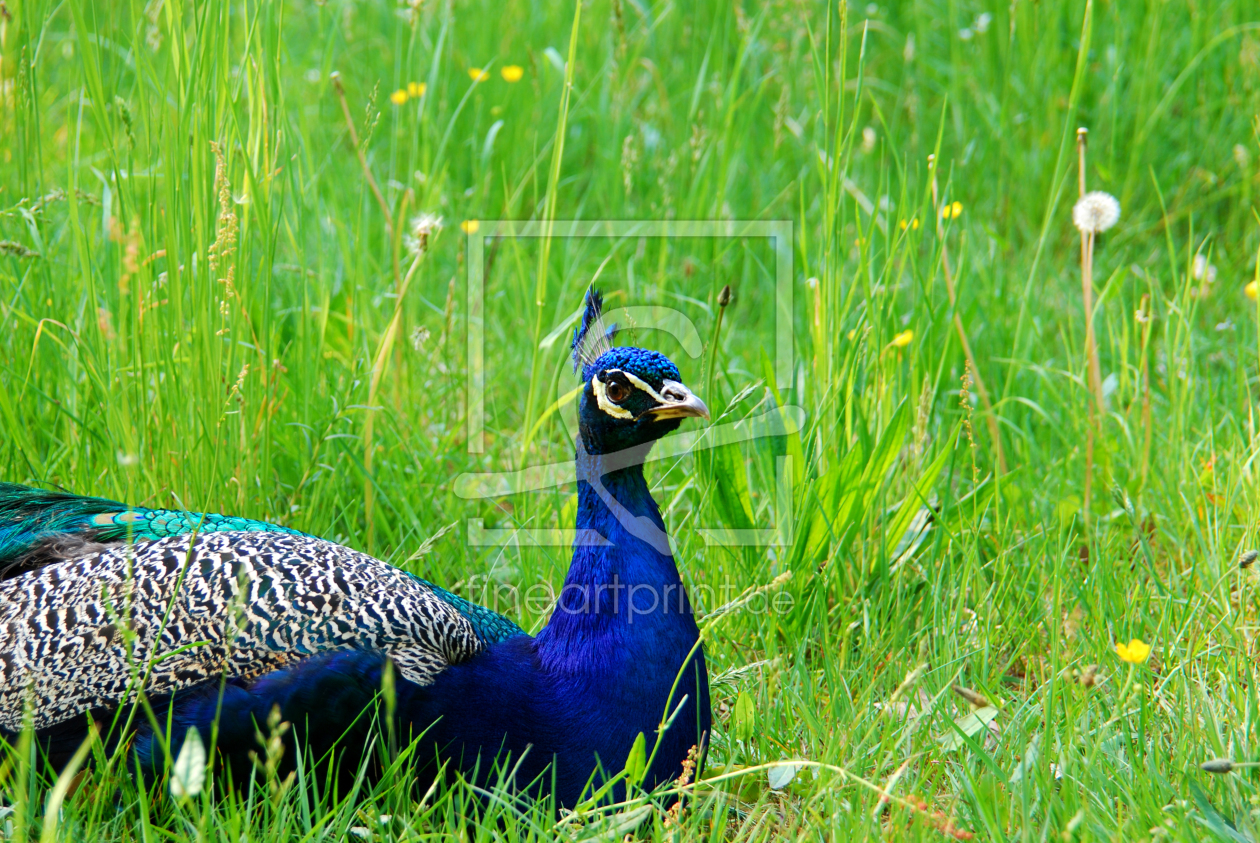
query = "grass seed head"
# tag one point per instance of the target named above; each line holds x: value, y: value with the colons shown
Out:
x: 973, y: 698
x: 1248, y: 559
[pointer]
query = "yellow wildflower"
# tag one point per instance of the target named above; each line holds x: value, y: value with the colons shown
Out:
x: 398, y: 97
x: 416, y: 90
x: 512, y: 73
x: 469, y: 226
x: 477, y: 74
x: 1135, y: 652
x: 951, y: 211
x: 1251, y: 290
x: 913, y: 225
x: 903, y: 339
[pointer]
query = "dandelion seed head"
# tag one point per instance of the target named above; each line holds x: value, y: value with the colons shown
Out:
x: 421, y: 229
x: 1095, y: 212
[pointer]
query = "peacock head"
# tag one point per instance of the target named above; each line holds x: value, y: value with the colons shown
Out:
x: 632, y: 396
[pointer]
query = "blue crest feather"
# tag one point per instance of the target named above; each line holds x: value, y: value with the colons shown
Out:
x: 591, y: 338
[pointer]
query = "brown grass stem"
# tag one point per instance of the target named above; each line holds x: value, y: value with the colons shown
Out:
x: 990, y: 417
x: 358, y: 150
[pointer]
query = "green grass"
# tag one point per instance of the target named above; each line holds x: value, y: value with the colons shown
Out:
x: 129, y: 369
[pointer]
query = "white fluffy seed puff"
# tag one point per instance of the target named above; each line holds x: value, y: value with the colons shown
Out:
x: 416, y: 241
x: 1095, y: 212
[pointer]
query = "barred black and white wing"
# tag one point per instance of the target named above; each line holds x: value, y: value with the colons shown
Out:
x: 170, y: 614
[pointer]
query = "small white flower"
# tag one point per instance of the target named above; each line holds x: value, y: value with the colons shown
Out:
x: 188, y: 777
x: 1202, y: 270
x: 1095, y: 212
x: 422, y: 227
x: 966, y: 34
x: 982, y: 22
x: 868, y: 139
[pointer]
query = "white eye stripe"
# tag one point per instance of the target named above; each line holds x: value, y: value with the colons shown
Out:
x: 601, y: 398
x: 611, y: 408
x: 643, y: 385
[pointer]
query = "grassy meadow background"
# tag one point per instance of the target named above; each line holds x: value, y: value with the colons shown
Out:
x: 224, y: 331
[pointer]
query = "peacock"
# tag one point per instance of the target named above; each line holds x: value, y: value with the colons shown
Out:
x: 222, y: 624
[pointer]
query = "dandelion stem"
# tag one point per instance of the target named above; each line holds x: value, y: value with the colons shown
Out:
x: 1145, y: 376
x: 1095, y: 403
x: 724, y: 298
x: 990, y: 418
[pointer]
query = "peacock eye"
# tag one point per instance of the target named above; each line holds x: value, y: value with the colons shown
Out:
x: 618, y: 392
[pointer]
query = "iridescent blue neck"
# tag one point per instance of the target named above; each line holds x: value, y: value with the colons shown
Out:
x: 615, y: 503
x: 622, y: 590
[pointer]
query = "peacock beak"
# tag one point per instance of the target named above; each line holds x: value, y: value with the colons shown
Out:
x: 678, y: 402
